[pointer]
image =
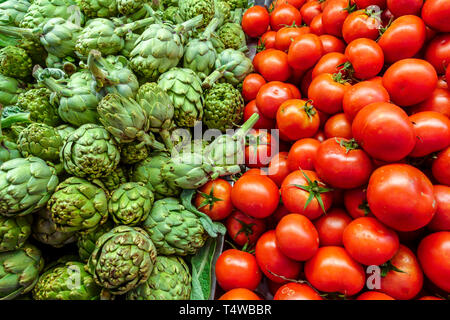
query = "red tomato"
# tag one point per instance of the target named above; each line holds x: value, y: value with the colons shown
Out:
x: 267, y: 40
x: 366, y: 57
x: 438, y: 53
x: 441, y: 167
x: 284, y: 15
x: 369, y: 242
x: 355, y: 202
x: 271, y: 96
x: 214, y: 199
x: 447, y: 76
x: 297, y: 119
x: 277, y: 215
x: 278, y: 168
x: 237, y: 269
x: 240, y: 294
x: 334, y: 16
x: 286, y: 35
x: 302, y: 154
x: 384, y: 131
x: 362, y: 4
x: 244, y: 229
x: 373, y: 295
x: 401, y: 197
x: 338, y: 126
x: 251, y: 85
x: 273, y: 65
x: 296, y: 291
x: 302, y: 192
x: 329, y: 63
x: 297, y: 237
x: 296, y: 94
x: 331, y: 44
x: 432, y: 130
x: 306, y: 82
x: 436, y: 14
x: 316, y: 25
x: 341, y: 163
x: 405, y: 283
x: 327, y: 92
x: 361, y: 95
x: 441, y: 219
x: 309, y: 10
x: 433, y: 253
x: 361, y: 24
x: 439, y: 101
x: 404, y: 7
x: 304, y: 51
x: 272, y: 261
x: 255, y: 195
x: 296, y: 3
x: 263, y: 122
x: 258, y: 149
x: 333, y: 270
x: 255, y: 21
x: 331, y: 227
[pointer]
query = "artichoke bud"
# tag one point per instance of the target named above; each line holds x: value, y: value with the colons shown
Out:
x: 14, y: 232
x: 44, y: 231
x: 10, y: 88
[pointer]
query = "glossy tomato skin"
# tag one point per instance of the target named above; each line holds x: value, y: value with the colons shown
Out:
x: 297, y: 119
x: 240, y: 294
x: 309, y: 10
x: 304, y: 51
x: 441, y: 167
x: 263, y: 122
x: 329, y: 63
x: 438, y: 53
x: 216, y: 210
x: 295, y: 198
x: 432, y: 130
x: 284, y: 15
x: 272, y: 261
x: 296, y: 94
x: 255, y: 21
x: 333, y: 270
x: 366, y: 57
x: 360, y: 24
x: 251, y: 85
x: 267, y: 41
x: 332, y: 44
x: 327, y: 93
x: 374, y: 295
x: 296, y: 291
x: 338, y: 126
x: 306, y: 82
x: 278, y: 168
x: 258, y: 150
x: 273, y: 65
x: 407, y: 284
x: 410, y: 81
x: 361, y: 95
x: 436, y: 14
x: 384, y: 131
x: 355, y: 202
x: 441, y: 219
x: 342, y: 167
x: 439, y: 101
x: 331, y: 226
x: 370, y: 242
x: 302, y: 154
x: 270, y: 97
x: 255, y: 195
x: 297, y: 237
x: 286, y: 34
x: 404, y: 7
x: 403, y: 39
x: 334, y: 16
x: 401, y: 197
x: 243, y: 228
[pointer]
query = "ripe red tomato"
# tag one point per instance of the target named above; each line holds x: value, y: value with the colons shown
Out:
x: 333, y: 270
x: 316, y: 25
x: 286, y: 34
x: 401, y: 197
x: 361, y: 95
x: 373, y: 295
x: 273, y: 65
x: 237, y: 269
x: 277, y: 215
x: 334, y: 16
x: 438, y: 53
x: 214, y: 199
x: 271, y: 96
x: 304, y: 51
x: 433, y: 253
x: 302, y: 192
x: 263, y: 122
x: 297, y: 237
x: 297, y: 119
x: 362, y: 4
x: 441, y: 167
x: 338, y: 126
x: 302, y: 154
x: 251, y: 85
x: 361, y: 24
x: 442, y: 82
x: 355, y: 202
x: 404, y: 7
x: 296, y: 291
x: 278, y: 168
x: 258, y: 148
x: 407, y: 281
x: 244, y: 229
x: 240, y: 294
x: 370, y: 242
x: 296, y: 94
x: 306, y: 82
x: 384, y: 131
x: 284, y: 15
x: 309, y: 10
x: 366, y: 57
x: 327, y: 92
x: 436, y: 14
x: 296, y: 3
x: 403, y: 38
x: 272, y: 261
x: 441, y: 219
x: 331, y: 44
x: 267, y: 41
x: 439, y: 101
x: 432, y: 130
x: 331, y: 227
x: 329, y: 63
x: 255, y: 21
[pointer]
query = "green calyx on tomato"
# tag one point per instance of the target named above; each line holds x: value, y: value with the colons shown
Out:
x: 246, y: 229
x: 345, y: 73
x: 388, y: 266
x: 210, y: 199
x: 309, y: 109
x: 348, y: 145
x: 351, y: 7
x: 365, y: 207
x: 334, y: 296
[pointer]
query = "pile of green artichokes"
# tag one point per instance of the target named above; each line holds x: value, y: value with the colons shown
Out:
x: 91, y: 177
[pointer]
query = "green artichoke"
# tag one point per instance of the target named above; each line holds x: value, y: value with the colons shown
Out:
x: 169, y: 3
x: 15, y: 62
x: 13, y: 11
x: 173, y: 229
x: 184, y: 88
x: 10, y: 89
x: 123, y: 259
x: 25, y: 185
x: 86, y: 241
x: 66, y: 64
x: 40, y: 140
x: 78, y: 205
x: 192, y: 8
x: 8, y: 150
x: 64, y: 130
x: 130, y: 39
x: 59, y: 36
x: 223, y: 107
x: 44, y: 231
x: 238, y: 4
x: 170, y: 280
x: 232, y: 36
x: 99, y: 8
x: 130, y: 204
x: 67, y: 281
x: 37, y: 102
x: 14, y: 232
x: 128, y: 7
x: 172, y: 15
x: 90, y: 152
x: 112, y: 181
x: 133, y: 152
x: 223, y: 8
x: 19, y: 271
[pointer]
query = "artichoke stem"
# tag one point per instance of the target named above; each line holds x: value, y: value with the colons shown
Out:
x: 212, y: 26
x: 121, y: 31
x: 19, y: 117
x: 217, y: 74
x: 245, y: 128
x: 19, y: 32
x: 149, y: 141
x: 190, y: 24
x: 227, y: 170
x: 94, y: 57
x: 165, y: 135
